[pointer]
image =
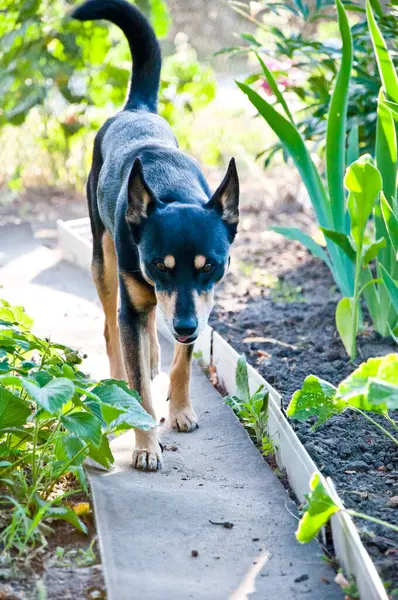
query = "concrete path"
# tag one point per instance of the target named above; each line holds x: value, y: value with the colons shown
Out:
x: 156, y: 538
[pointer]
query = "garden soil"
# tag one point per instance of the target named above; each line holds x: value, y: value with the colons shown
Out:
x: 277, y: 306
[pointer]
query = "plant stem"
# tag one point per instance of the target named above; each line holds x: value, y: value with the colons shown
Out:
x: 35, y: 437
x: 358, y: 265
x: 366, y: 416
x: 360, y: 515
x: 391, y: 421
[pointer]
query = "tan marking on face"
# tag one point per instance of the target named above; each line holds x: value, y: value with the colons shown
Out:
x: 169, y: 261
x: 145, y: 274
x: 167, y: 303
x: 142, y: 298
x: 204, y: 302
x: 200, y: 261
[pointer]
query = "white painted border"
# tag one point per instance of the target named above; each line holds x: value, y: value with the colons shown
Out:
x: 290, y: 453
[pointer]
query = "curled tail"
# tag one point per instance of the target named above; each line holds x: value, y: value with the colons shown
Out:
x: 144, y: 47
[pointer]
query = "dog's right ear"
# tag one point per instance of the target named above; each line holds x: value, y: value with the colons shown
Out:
x: 140, y: 198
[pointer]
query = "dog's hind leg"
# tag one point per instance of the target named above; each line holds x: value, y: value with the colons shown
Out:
x: 137, y: 313
x: 104, y: 270
x: 182, y: 415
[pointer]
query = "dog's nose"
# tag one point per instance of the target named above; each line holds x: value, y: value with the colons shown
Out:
x: 185, y: 327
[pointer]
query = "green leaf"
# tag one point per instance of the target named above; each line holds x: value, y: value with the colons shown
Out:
x: 13, y: 410
x: 342, y: 240
x: 103, y: 454
x: 390, y: 221
x: 51, y: 396
x: 385, y: 64
x: 318, y: 511
x: 353, y: 145
x: 66, y: 514
x: 121, y: 409
x: 390, y: 285
x: 293, y: 143
x: 337, y: 125
x: 346, y: 314
x: 363, y: 180
x: 386, y: 147
x: 296, y: 235
x: 84, y: 425
x: 68, y: 446
x: 314, y: 399
x: 372, y: 250
x: 373, y: 386
x: 274, y: 87
x: 242, y: 380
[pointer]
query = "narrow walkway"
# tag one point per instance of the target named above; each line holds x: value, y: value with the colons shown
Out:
x: 155, y: 532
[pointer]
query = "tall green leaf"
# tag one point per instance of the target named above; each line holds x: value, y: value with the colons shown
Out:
x: 391, y: 223
x: 337, y: 125
x: 274, y: 87
x: 384, y: 61
x: 391, y: 287
x: 296, y: 235
x: 386, y: 151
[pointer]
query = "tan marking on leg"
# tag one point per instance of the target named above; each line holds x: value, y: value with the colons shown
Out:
x: 199, y: 261
x: 182, y: 415
x: 141, y: 297
x: 106, y: 282
x: 154, y: 347
x: 147, y: 455
x: 169, y: 261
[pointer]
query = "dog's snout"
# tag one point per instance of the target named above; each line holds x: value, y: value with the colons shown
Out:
x: 185, y: 327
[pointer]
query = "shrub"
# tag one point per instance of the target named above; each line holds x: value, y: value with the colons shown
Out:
x: 52, y: 416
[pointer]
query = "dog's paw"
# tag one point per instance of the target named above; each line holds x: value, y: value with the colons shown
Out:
x: 183, y: 419
x: 148, y: 459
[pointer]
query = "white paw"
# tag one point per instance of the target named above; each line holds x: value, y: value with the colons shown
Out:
x: 148, y: 459
x: 183, y: 419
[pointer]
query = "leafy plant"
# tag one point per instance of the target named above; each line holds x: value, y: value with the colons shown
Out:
x: 372, y: 387
x: 348, y: 262
x: 251, y: 409
x: 52, y: 416
x: 321, y: 506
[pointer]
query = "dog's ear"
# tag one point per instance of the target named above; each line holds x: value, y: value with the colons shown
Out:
x: 140, y: 198
x: 226, y: 198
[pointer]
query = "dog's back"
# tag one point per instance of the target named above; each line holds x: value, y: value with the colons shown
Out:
x: 138, y: 131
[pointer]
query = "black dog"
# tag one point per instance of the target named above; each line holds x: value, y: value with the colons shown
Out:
x: 159, y: 236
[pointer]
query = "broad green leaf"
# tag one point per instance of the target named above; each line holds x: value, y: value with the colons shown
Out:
x: 86, y: 426
x: 386, y: 147
x: 296, y: 235
x: 372, y: 250
x: 120, y: 409
x: 385, y: 64
x: 242, y: 380
x: 51, y: 396
x: 373, y: 386
x: 103, y: 454
x: 318, y: 511
x: 293, y: 143
x: 390, y: 221
x: 347, y: 323
x: 13, y: 410
x: 68, y: 446
x: 337, y: 125
x: 364, y: 183
x: 314, y: 399
x: 274, y: 87
x: 390, y: 285
x: 342, y: 240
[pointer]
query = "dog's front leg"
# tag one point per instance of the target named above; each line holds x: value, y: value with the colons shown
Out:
x: 182, y: 415
x: 135, y: 342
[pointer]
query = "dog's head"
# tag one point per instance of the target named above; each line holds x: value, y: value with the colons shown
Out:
x: 183, y: 249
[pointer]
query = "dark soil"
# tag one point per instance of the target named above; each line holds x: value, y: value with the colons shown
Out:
x: 277, y: 306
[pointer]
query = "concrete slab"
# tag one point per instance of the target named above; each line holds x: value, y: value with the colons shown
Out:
x: 149, y: 523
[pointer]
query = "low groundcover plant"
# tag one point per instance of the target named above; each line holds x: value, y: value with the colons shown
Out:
x: 52, y: 416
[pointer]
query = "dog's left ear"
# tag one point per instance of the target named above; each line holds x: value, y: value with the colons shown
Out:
x: 140, y: 198
x: 226, y: 198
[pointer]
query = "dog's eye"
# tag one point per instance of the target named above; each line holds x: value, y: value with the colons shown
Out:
x: 161, y: 267
x: 207, y: 267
